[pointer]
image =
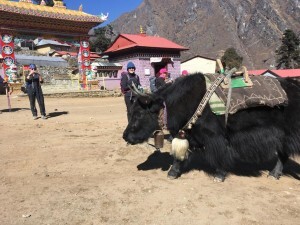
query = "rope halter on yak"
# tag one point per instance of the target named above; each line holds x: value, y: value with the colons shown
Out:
x: 180, y: 145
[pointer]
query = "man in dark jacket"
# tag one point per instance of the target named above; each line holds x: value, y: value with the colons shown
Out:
x: 127, y: 79
x: 34, y: 91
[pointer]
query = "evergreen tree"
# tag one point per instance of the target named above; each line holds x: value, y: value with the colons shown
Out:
x: 102, y: 38
x: 231, y: 59
x: 288, y: 54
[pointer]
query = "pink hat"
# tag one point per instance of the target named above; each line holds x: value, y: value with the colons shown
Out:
x: 184, y: 73
x: 163, y: 70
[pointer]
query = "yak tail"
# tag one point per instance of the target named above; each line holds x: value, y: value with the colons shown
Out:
x: 292, y: 122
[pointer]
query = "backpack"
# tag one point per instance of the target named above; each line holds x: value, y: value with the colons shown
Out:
x: 153, y: 87
x: 128, y: 78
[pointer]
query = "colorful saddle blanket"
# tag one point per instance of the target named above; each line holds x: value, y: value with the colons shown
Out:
x: 265, y: 91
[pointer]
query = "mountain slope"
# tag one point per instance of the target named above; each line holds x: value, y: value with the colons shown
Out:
x: 209, y: 27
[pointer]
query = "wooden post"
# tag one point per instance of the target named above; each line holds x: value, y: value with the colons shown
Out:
x: 103, y: 82
x: 220, y: 66
x: 8, y: 96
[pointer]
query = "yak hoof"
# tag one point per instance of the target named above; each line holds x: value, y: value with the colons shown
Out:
x: 172, y: 177
x: 173, y: 174
x: 218, y: 179
x: 274, y: 176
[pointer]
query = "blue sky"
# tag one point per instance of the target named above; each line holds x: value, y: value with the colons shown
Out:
x: 115, y: 8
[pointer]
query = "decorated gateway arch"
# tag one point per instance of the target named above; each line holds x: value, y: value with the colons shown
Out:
x: 24, y: 19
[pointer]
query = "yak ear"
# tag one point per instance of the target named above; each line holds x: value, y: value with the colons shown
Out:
x: 154, y: 104
x: 157, y: 105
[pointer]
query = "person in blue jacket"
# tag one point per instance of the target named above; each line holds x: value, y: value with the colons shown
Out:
x: 34, y: 90
x: 127, y: 80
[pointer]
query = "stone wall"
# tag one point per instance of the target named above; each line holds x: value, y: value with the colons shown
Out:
x: 51, y: 74
x: 80, y: 94
x: 57, y: 79
x: 84, y: 94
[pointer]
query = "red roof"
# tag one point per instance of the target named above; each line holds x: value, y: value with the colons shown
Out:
x: 256, y: 72
x: 279, y: 73
x: 287, y: 72
x: 127, y: 41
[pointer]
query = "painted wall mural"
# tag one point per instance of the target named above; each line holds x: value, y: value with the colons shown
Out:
x: 7, y: 51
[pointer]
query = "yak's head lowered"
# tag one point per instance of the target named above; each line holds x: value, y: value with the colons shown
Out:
x: 144, y: 119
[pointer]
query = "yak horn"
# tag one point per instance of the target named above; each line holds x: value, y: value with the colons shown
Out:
x: 137, y: 91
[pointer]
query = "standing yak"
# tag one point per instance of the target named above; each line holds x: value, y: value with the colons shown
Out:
x: 254, y: 135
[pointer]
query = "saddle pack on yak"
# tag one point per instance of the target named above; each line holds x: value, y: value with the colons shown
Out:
x: 246, y: 92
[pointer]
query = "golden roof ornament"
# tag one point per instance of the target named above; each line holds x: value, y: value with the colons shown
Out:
x: 80, y: 8
x: 59, y: 3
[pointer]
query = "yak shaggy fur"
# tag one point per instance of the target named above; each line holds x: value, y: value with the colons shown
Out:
x: 251, y: 135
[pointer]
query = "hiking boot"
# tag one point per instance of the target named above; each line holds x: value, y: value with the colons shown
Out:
x: 44, y: 117
x: 34, y: 117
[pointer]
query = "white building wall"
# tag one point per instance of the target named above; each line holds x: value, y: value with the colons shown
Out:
x: 199, y: 65
x: 44, y: 50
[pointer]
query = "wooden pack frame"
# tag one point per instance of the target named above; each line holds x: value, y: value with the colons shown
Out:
x: 243, y: 72
x: 237, y: 75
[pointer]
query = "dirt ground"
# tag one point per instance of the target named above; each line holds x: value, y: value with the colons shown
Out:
x: 75, y: 169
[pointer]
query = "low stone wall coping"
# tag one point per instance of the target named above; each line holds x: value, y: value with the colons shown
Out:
x: 80, y: 94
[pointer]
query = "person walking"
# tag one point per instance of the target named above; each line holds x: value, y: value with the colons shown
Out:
x: 163, y: 78
x: 160, y: 82
x: 2, y: 77
x: 127, y: 80
x: 34, y: 90
x: 1, y: 69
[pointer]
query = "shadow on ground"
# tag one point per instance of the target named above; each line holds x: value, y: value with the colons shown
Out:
x: 157, y: 160
x: 163, y: 161
x: 291, y: 168
x: 14, y: 109
x: 55, y: 114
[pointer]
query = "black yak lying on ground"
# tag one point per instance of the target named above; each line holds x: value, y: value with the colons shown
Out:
x: 252, y: 135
